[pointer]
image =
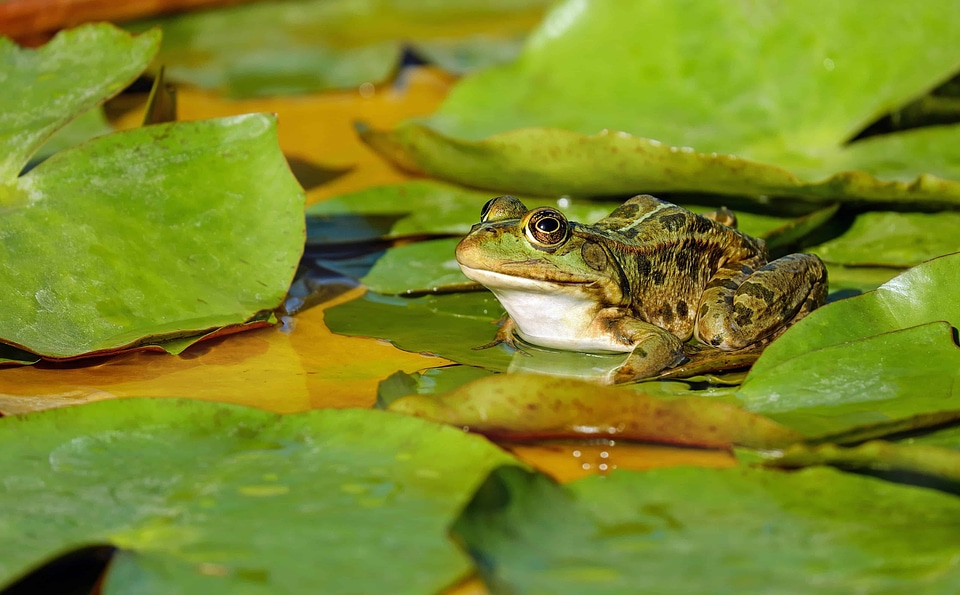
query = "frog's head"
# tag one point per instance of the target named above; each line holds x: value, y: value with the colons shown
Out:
x: 538, y: 251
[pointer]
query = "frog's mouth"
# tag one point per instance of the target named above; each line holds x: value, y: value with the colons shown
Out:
x: 495, y: 280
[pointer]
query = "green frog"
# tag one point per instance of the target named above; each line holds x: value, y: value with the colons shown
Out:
x: 642, y: 281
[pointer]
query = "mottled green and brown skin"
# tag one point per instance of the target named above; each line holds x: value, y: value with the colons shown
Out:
x: 643, y: 280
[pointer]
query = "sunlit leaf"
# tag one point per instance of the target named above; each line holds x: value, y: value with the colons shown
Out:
x: 297, y: 46
x: 546, y: 161
x: 734, y: 531
x: 230, y: 500
x: 894, y: 239
x: 534, y: 407
x: 871, y: 359
x: 765, y: 98
x: 54, y: 84
x: 165, y: 230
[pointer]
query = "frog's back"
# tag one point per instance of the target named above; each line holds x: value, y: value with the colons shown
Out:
x: 668, y: 255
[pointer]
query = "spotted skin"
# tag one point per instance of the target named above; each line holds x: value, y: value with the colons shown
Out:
x: 648, y: 277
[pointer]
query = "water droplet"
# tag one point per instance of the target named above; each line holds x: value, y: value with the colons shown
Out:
x: 366, y: 90
x: 604, y: 454
x: 828, y: 64
x: 576, y: 453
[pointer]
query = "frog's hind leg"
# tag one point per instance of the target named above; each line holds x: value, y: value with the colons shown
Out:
x: 742, y: 306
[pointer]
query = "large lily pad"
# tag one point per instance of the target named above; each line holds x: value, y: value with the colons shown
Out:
x: 136, y: 237
x: 209, y: 498
x: 781, y: 89
x: 168, y: 230
x: 297, y: 46
x: 725, y: 532
x: 876, y: 358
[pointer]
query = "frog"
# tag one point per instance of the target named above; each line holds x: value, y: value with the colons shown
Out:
x: 645, y: 280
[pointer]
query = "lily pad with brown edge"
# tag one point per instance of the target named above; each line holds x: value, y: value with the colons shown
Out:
x: 143, y: 236
x: 209, y: 498
x: 518, y: 407
x: 658, y: 116
x: 301, y: 46
x: 748, y: 531
x: 875, y: 360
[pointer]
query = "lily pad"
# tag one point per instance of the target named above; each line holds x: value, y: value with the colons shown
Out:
x: 766, y: 99
x: 296, y: 46
x: 56, y: 83
x: 894, y: 239
x: 748, y: 531
x: 533, y: 407
x: 139, y: 237
x: 885, y: 356
x: 450, y: 326
x: 210, y: 498
x: 162, y: 231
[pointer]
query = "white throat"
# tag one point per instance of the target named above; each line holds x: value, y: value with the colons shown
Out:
x: 548, y: 314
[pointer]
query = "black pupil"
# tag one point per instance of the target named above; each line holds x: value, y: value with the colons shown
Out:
x: 548, y: 225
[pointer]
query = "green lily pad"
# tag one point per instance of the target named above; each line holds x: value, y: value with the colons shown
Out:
x: 210, y: 498
x: 533, y: 407
x: 88, y: 125
x: 765, y: 99
x: 292, y: 46
x: 724, y: 532
x: 73, y: 73
x: 145, y: 237
x: 450, y: 326
x: 546, y: 161
x: 871, y: 359
x: 894, y: 239
x: 163, y: 231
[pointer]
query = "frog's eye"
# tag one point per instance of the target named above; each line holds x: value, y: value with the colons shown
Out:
x: 502, y: 208
x: 546, y: 228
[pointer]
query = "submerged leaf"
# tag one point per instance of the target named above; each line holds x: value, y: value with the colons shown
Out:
x: 209, y: 498
x: 748, y: 531
x: 534, y: 407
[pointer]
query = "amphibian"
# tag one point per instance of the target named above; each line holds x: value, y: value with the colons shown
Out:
x: 642, y: 280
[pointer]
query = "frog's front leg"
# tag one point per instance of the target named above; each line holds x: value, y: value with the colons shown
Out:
x: 742, y: 306
x: 654, y: 349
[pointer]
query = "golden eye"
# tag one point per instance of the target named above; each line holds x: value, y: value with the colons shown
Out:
x: 546, y: 228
